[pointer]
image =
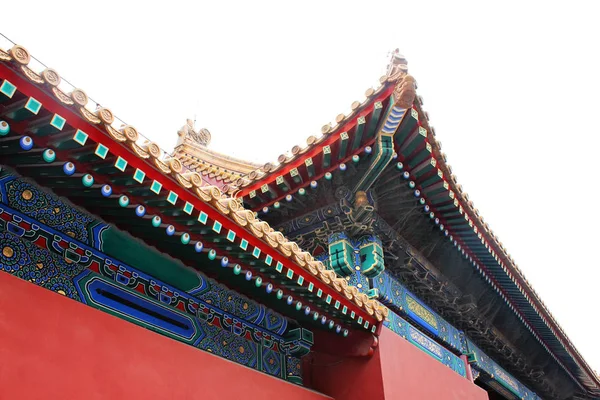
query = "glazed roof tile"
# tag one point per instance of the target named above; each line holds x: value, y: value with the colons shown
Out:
x: 193, y: 152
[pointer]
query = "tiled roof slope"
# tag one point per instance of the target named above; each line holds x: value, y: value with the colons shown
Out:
x: 216, y: 168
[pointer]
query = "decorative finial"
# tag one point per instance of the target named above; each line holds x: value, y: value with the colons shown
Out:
x: 187, y: 132
x: 398, y: 66
x: 405, y: 85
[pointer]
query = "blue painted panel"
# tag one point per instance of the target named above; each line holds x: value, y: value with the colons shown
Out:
x: 119, y: 301
x: 403, y: 302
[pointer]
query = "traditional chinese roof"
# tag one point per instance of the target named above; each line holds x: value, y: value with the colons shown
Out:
x: 216, y: 168
x: 424, y: 166
x: 61, y: 120
x: 337, y: 144
x: 486, y: 253
x: 59, y: 137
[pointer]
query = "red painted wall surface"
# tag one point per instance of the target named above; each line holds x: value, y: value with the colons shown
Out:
x: 409, y: 373
x: 346, y: 378
x: 397, y: 371
x: 52, y: 347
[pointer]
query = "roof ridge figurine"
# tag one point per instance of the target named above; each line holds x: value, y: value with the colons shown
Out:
x: 201, y: 137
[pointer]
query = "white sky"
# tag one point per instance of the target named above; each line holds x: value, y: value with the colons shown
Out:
x: 511, y: 88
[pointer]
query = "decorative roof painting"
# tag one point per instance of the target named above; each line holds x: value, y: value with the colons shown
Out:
x: 365, y: 226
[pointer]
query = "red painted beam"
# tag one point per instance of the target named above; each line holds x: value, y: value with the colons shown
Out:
x: 316, y: 178
x: 333, y: 136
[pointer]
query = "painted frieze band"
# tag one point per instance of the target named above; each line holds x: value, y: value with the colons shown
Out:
x: 214, y: 319
x: 491, y: 372
x: 402, y: 301
x: 394, y: 295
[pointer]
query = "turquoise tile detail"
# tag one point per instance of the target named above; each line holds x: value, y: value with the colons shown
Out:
x: 311, y: 287
x: 366, y: 324
x: 121, y: 164
x: 256, y: 252
x: 139, y: 176
x: 156, y: 187
x: 359, y: 320
x: 217, y: 227
x: 231, y: 235
x: 373, y: 328
x: 290, y: 274
x: 101, y: 151
x: 352, y: 314
x: 80, y: 137
x: 203, y: 217
x: 337, y: 304
x: 268, y: 260
x: 279, y: 267
x: 345, y: 310
x: 33, y: 105
x: 58, y: 122
x: 319, y: 293
x: 172, y: 197
x: 328, y: 299
x: 300, y: 280
x: 188, y: 208
x: 244, y: 244
x: 8, y: 89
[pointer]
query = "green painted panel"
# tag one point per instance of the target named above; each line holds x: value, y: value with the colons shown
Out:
x: 133, y: 252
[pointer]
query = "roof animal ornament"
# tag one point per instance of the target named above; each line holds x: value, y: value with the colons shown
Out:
x: 406, y: 85
x: 397, y: 68
x: 202, y: 137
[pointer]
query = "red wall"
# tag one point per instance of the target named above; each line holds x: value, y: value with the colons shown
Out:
x: 346, y: 378
x: 52, y: 347
x: 409, y: 373
x: 397, y: 371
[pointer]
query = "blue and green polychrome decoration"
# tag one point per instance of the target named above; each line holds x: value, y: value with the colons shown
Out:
x: 403, y: 328
x: 403, y: 303
x: 391, y: 293
x: 356, y: 278
x: 31, y: 263
x: 371, y: 255
x: 346, y: 256
x: 382, y: 155
x: 492, y: 373
x: 341, y: 254
x: 384, y: 147
x: 49, y: 210
x: 49, y: 243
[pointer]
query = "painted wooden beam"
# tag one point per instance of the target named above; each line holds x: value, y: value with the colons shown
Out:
x: 358, y: 132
